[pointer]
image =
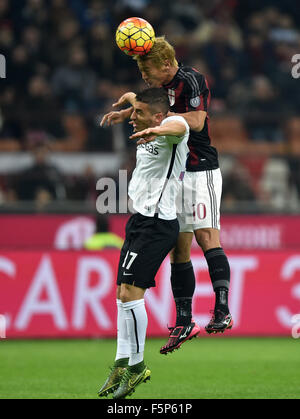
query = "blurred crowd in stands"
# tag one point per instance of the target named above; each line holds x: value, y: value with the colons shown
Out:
x: 64, y: 71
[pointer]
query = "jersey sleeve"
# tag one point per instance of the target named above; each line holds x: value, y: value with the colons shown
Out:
x: 172, y: 138
x: 197, y: 93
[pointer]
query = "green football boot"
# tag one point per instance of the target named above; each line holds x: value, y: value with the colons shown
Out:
x: 114, y: 379
x: 131, y: 379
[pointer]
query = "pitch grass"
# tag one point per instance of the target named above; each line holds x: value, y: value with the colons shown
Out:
x: 212, y: 367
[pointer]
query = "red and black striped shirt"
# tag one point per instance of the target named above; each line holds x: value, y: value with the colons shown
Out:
x: 189, y: 91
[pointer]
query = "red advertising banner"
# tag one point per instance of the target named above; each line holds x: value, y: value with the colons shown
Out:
x: 72, y: 294
x: 61, y: 232
x: 241, y: 232
x: 65, y: 232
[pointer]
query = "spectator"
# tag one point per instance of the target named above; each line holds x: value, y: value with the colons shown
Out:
x: 98, y: 12
x: 237, y: 187
x: 35, y: 12
x: 99, y: 48
x: 6, y: 39
x: 294, y: 166
x: 83, y: 187
x: 32, y: 41
x: 41, y: 110
x: 73, y: 131
x: 224, y: 60
x: 5, y: 12
x: 103, y: 238
x: 42, y: 182
x: 11, y: 132
x: 2, y: 199
x: 20, y: 68
x: 257, y: 54
x: 75, y: 83
x: 187, y: 13
x: 68, y: 36
x: 262, y: 113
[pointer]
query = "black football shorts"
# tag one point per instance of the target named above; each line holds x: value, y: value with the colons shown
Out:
x: 148, y: 241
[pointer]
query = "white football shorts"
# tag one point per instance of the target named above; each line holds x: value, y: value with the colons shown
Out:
x: 199, y: 200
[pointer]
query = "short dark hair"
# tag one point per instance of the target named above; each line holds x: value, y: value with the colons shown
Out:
x: 157, y: 99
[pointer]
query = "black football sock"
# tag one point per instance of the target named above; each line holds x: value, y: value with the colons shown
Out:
x: 222, y: 300
x: 183, y: 287
x: 219, y: 271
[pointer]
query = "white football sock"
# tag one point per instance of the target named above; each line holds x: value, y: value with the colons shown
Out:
x: 123, y: 344
x: 137, y: 322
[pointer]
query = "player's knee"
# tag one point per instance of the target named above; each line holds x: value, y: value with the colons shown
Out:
x: 125, y: 293
x: 207, y: 238
x: 203, y: 237
x: 131, y: 293
x: 181, y: 254
x: 182, y: 251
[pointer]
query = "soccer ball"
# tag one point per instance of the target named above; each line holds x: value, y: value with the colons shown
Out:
x: 135, y: 36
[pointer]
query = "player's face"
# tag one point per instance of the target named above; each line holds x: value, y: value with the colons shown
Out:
x: 155, y: 76
x: 142, y: 117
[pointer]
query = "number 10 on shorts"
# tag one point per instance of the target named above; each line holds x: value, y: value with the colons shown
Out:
x: 131, y: 260
x: 199, y: 212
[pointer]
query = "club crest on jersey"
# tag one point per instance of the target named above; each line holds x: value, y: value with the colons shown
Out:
x: 171, y: 94
x: 195, y: 102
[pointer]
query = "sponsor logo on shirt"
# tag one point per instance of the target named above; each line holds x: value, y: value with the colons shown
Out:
x: 150, y: 148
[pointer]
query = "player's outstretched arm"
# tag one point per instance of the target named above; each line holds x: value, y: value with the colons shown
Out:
x: 171, y: 129
x: 116, y: 117
x: 195, y: 119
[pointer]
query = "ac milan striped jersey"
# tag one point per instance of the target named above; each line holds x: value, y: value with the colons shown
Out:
x: 189, y: 91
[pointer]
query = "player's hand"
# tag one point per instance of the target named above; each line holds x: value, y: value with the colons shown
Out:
x: 146, y: 136
x: 128, y: 97
x: 112, y: 118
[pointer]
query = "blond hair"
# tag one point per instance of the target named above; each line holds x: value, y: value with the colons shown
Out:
x: 159, y: 53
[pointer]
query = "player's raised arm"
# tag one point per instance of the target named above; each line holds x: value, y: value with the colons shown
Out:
x: 195, y: 119
x: 127, y: 98
x: 117, y: 117
x: 173, y: 128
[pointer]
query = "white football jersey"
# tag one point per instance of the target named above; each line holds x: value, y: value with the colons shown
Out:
x: 160, y: 168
